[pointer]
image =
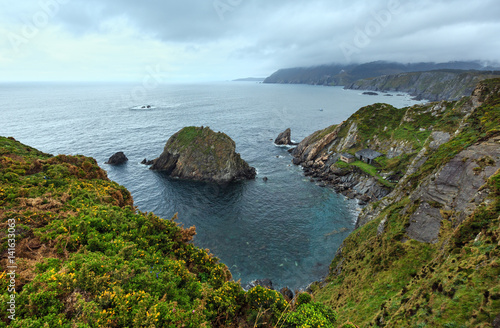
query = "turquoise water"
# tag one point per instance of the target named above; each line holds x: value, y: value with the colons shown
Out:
x: 286, y: 229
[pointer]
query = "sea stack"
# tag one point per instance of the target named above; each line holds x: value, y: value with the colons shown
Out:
x: 198, y: 153
x: 284, y: 138
x: 117, y: 159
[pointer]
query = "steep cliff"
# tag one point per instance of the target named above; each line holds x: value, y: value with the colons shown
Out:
x: 198, y: 153
x: 336, y: 74
x: 428, y: 254
x: 430, y: 85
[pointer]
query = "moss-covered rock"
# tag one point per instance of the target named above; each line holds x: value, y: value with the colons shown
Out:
x: 198, y: 153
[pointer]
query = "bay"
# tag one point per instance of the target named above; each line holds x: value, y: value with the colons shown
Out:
x: 286, y: 229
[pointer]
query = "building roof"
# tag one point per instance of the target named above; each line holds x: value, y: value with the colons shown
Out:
x: 346, y: 155
x: 368, y: 153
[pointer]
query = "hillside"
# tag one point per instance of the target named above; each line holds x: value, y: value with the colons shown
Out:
x: 429, y: 85
x: 426, y: 251
x: 75, y: 252
x: 337, y: 74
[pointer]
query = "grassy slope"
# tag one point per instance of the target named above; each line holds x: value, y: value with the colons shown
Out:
x: 87, y: 258
x: 388, y: 281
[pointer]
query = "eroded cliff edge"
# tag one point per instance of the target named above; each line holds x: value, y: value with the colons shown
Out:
x: 428, y: 253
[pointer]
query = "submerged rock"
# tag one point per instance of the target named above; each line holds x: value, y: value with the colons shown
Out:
x: 117, y: 159
x: 198, y: 153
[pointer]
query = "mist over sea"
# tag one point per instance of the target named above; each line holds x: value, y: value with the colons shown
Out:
x: 286, y: 229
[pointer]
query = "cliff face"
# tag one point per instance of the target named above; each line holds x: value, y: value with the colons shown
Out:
x: 198, y: 153
x: 428, y: 254
x: 336, y: 74
x: 432, y: 85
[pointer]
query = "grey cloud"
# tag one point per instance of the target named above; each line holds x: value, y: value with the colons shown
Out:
x: 268, y: 35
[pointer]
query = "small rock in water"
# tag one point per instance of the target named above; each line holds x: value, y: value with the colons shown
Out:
x: 117, y: 159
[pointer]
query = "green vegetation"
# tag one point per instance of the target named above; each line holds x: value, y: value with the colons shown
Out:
x: 372, y: 170
x: 383, y: 278
x: 200, y: 139
x: 368, y: 169
x: 317, y: 136
x: 86, y: 257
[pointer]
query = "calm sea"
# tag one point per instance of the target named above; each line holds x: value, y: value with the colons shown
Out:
x: 286, y: 229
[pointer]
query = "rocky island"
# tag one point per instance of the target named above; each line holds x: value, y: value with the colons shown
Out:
x: 198, y: 153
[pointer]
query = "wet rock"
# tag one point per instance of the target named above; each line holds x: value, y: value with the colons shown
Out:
x: 287, y: 294
x: 266, y: 283
x: 284, y: 138
x: 117, y: 159
x: 146, y: 162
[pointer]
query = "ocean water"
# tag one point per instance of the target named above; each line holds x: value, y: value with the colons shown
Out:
x: 286, y: 229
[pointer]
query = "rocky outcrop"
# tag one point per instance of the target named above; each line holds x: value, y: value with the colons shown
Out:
x: 432, y: 85
x: 266, y: 283
x: 147, y: 162
x: 437, y: 231
x: 284, y: 138
x: 455, y: 188
x: 117, y: 159
x: 310, y: 148
x: 198, y: 153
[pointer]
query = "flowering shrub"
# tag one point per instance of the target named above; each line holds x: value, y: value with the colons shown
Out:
x: 312, y: 315
x: 87, y: 258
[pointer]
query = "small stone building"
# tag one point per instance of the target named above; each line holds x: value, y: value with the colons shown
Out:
x: 367, y: 155
x: 348, y: 158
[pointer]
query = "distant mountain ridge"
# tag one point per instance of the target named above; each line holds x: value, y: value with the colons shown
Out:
x: 337, y: 74
x: 250, y: 79
x: 430, y: 85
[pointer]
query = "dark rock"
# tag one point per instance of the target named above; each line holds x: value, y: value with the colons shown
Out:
x: 266, y: 283
x: 198, y: 153
x: 370, y: 93
x: 287, y: 294
x: 117, y: 159
x: 284, y: 138
x: 146, y: 162
x: 265, y: 179
x: 148, y: 106
x: 291, y: 150
x: 496, y: 322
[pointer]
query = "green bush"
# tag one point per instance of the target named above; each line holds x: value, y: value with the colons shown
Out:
x: 312, y: 315
x: 303, y: 298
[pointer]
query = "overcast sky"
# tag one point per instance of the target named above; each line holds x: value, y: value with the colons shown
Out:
x: 213, y: 40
